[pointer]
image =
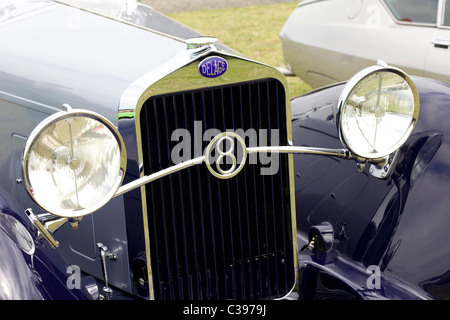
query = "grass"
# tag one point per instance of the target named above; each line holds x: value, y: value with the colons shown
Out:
x: 252, y: 31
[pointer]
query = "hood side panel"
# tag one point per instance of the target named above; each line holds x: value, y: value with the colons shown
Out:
x: 65, y: 55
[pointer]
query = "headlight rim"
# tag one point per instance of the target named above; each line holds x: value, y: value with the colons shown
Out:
x: 347, y: 90
x: 39, y: 130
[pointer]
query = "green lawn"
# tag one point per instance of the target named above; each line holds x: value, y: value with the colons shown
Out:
x: 253, y: 31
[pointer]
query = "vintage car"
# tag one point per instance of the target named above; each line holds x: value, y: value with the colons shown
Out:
x: 325, y: 42
x: 142, y: 165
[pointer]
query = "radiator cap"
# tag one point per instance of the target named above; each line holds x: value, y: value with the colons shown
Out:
x: 199, y: 44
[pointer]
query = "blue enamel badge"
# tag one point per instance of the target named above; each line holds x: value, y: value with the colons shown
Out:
x: 213, y: 67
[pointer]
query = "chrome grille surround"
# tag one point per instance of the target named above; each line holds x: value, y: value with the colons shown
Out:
x: 225, y: 281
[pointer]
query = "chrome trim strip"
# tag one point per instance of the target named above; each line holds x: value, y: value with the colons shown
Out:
x: 134, y: 96
x: 341, y: 153
x: 440, y: 13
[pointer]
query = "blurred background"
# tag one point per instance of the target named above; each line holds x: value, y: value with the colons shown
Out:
x: 167, y: 6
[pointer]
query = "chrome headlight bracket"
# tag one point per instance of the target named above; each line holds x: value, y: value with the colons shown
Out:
x: 383, y: 169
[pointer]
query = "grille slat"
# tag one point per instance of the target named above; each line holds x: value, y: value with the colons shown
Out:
x: 180, y: 207
x: 213, y: 238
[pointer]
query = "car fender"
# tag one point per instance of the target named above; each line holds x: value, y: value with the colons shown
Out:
x: 31, y: 269
x: 395, y: 225
x: 18, y: 281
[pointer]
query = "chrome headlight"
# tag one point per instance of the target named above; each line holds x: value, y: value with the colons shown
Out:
x: 73, y: 162
x: 377, y: 111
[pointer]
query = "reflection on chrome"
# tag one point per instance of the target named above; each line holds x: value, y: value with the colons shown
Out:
x: 378, y: 113
x: 73, y: 162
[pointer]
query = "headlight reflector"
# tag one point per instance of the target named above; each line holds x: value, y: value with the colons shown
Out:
x: 377, y: 111
x: 74, y: 162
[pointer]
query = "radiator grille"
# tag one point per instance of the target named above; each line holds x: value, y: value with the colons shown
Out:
x: 213, y: 238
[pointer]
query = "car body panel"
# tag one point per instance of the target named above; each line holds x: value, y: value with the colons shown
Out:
x: 325, y: 42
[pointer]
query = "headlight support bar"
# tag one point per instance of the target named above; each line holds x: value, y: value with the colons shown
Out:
x: 340, y: 153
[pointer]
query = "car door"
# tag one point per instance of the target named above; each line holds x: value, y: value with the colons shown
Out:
x: 409, y: 38
x: 437, y: 64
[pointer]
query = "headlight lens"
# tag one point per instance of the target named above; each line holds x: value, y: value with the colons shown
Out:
x: 378, y: 110
x: 74, y: 163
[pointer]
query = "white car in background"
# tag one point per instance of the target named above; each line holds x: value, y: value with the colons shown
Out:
x: 327, y: 41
